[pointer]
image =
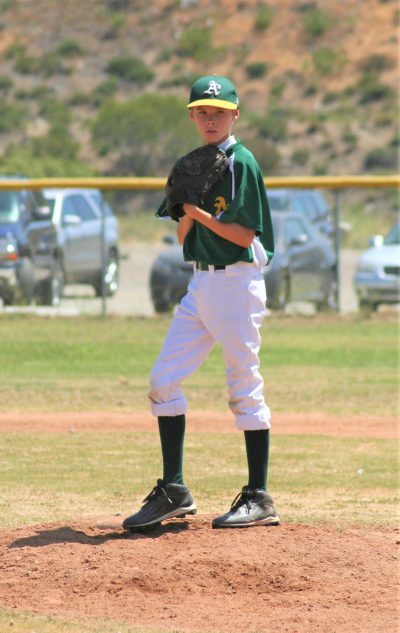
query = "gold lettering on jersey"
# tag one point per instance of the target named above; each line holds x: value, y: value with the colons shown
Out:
x: 220, y: 205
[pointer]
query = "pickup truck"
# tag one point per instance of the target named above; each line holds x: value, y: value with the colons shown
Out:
x: 29, y: 260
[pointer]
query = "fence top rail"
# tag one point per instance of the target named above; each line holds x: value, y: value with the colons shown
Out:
x: 155, y: 184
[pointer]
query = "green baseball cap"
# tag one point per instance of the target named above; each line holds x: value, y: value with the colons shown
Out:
x: 214, y: 91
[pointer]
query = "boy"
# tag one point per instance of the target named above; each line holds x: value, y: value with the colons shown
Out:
x: 229, y: 241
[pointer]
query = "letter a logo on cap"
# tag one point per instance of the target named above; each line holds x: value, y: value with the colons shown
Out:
x: 213, y: 87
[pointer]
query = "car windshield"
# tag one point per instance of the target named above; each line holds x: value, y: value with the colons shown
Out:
x: 393, y: 237
x: 278, y: 202
x: 51, y: 202
x: 8, y: 207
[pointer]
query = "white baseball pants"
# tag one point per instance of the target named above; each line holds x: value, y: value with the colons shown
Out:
x: 225, y: 306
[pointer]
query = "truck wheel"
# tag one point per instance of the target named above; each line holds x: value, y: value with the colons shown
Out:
x: 282, y: 297
x: 50, y: 290
x: 111, y: 277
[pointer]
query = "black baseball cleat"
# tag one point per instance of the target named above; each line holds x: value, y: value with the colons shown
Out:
x: 250, y: 507
x: 163, y: 502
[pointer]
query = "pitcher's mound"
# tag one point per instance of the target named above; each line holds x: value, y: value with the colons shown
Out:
x: 185, y: 576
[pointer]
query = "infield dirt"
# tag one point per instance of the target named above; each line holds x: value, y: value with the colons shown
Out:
x: 184, y: 576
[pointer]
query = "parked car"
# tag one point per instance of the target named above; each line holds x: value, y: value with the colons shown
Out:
x: 29, y: 264
x: 303, y: 267
x: 77, y: 217
x: 377, y: 275
x: 309, y: 202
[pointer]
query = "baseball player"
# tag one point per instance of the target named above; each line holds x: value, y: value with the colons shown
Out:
x: 229, y: 239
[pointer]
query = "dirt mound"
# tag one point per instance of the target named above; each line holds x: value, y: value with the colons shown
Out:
x: 184, y: 576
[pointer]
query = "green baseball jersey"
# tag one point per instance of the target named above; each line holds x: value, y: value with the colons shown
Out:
x: 240, y: 197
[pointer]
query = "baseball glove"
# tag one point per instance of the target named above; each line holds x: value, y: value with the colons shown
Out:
x: 192, y: 177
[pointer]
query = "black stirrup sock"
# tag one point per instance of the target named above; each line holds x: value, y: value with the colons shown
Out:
x: 257, y: 449
x: 172, y: 435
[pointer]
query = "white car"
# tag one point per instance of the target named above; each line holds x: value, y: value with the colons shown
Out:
x: 77, y: 215
x: 377, y: 276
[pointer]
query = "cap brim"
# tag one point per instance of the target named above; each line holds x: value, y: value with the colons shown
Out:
x: 217, y: 103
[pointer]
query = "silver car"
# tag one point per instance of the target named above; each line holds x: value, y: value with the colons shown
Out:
x: 77, y: 216
x: 377, y: 276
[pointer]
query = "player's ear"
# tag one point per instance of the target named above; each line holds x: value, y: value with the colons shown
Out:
x: 191, y: 113
x: 236, y: 114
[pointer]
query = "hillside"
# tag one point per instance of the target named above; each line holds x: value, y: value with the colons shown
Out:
x: 84, y: 83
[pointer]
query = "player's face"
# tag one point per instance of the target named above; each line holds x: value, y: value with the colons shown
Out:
x: 213, y: 124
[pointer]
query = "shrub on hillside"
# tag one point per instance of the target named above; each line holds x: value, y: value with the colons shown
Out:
x: 265, y: 152
x: 263, y: 18
x: 148, y: 132
x: 117, y: 22
x: 16, y: 49
x: 395, y: 142
x: 78, y: 99
x: 320, y: 170
x: 330, y: 97
x: 57, y: 143
x: 256, y: 70
x: 301, y: 156
x: 70, y: 48
x: 41, y: 92
x: 55, y: 111
x: 5, y: 83
x: 50, y: 64
x: 22, y: 95
x: 315, y: 123
x: 26, y: 65
x: 376, y: 63
x: 164, y: 55
x: 130, y: 68
x: 104, y: 91
x: 272, y: 126
x: 350, y: 138
x: 181, y: 78
x: 12, y: 116
x: 382, y: 159
x: 371, y: 89
x: 196, y: 43
x: 22, y: 160
x: 5, y: 5
x: 327, y: 60
x: 120, y: 5
x: 277, y: 88
x: 317, y: 21
x: 387, y: 118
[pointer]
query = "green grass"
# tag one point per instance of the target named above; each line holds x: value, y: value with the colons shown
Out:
x: 26, y: 622
x: 317, y: 479
x: 328, y: 364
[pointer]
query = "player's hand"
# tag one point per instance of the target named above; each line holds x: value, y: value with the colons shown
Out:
x: 190, y: 210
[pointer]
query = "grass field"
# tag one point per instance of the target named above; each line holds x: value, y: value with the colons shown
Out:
x: 327, y: 364
x: 57, y: 476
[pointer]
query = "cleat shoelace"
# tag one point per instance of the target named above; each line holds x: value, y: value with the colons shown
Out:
x: 243, y: 498
x: 157, y: 490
